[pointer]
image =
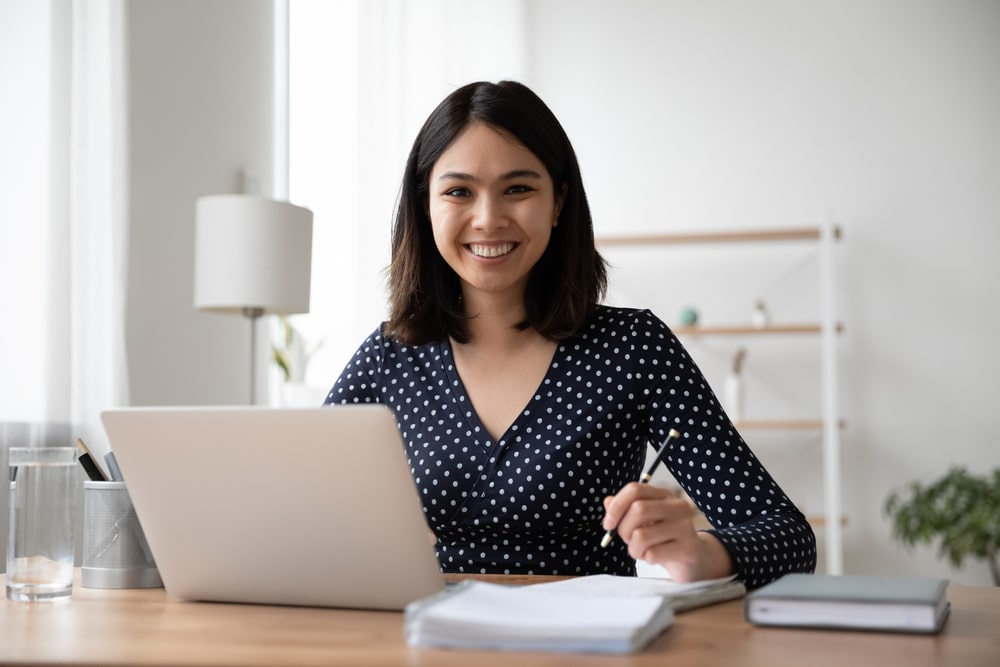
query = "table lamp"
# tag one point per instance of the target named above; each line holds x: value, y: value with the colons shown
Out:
x: 253, y: 257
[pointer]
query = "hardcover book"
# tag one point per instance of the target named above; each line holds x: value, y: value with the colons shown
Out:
x: 884, y: 603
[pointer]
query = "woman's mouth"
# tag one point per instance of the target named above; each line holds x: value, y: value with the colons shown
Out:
x: 490, y: 251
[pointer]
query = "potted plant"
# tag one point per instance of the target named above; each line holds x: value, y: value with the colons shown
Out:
x: 960, y: 511
x: 291, y: 354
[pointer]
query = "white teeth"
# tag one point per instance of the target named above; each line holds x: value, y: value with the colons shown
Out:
x: 490, y: 250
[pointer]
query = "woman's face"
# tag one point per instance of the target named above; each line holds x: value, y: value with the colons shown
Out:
x: 492, y: 207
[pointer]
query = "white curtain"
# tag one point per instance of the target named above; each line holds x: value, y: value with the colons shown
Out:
x: 63, y: 237
x: 363, y: 76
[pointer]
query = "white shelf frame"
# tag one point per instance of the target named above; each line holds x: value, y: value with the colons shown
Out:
x: 830, y: 424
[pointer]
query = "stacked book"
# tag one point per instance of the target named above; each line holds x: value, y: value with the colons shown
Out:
x: 851, y: 602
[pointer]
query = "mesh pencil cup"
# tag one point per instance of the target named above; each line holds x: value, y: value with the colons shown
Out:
x: 115, y: 551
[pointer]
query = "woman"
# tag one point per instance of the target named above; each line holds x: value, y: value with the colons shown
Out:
x: 527, y: 408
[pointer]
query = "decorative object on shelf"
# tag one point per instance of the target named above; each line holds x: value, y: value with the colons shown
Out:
x: 760, y: 317
x: 253, y: 256
x: 959, y: 510
x: 734, y: 387
x: 689, y: 316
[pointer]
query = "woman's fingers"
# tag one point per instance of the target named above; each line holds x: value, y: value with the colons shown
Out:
x: 618, y: 505
x: 668, y: 536
x: 658, y: 528
x: 651, y: 520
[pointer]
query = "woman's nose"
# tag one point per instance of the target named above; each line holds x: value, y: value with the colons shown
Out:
x: 489, y: 214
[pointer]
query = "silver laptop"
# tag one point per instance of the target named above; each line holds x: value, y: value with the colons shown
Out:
x: 311, y: 507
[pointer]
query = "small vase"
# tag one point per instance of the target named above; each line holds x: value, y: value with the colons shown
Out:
x: 734, y: 395
x: 760, y: 317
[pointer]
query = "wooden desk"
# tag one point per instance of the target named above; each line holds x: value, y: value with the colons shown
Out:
x: 145, y: 627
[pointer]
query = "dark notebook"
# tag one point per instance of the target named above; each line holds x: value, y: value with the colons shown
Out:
x: 895, y: 604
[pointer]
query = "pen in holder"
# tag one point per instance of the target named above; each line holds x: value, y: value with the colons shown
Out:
x: 115, y: 551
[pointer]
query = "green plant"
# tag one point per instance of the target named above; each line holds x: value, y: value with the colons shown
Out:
x: 292, y: 354
x: 961, y: 511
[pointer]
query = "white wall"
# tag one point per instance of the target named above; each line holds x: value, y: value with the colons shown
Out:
x: 685, y: 115
x: 200, y: 109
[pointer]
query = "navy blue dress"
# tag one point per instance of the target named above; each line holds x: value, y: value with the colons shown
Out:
x: 532, y: 502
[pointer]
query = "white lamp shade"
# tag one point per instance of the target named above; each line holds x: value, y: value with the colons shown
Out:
x: 252, y: 252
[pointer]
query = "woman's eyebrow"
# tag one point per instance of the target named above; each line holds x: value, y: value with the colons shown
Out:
x: 510, y: 175
x: 520, y: 173
x: 457, y: 176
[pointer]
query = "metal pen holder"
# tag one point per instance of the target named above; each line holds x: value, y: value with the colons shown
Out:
x: 115, y: 551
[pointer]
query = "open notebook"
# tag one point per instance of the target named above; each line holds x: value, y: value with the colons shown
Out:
x: 310, y: 506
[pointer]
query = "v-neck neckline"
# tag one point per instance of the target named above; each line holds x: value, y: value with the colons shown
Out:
x: 469, y: 413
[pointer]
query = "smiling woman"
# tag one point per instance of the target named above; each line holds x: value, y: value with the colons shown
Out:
x: 525, y: 406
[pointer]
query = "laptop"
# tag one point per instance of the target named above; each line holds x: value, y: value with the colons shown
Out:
x: 310, y: 507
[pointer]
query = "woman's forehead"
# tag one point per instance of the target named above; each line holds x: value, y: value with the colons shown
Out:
x: 481, y: 147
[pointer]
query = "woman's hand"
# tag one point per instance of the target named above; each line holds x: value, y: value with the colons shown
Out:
x: 658, y: 528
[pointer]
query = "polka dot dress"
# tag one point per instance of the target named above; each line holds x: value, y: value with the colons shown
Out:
x: 531, y: 503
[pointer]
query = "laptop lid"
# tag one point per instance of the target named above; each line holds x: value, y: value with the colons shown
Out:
x: 311, y: 506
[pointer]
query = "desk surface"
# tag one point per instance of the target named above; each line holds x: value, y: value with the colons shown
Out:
x: 145, y: 627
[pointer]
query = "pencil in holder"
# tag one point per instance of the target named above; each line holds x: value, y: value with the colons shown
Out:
x: 115, y: 551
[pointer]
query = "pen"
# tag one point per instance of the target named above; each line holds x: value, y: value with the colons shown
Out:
x: 648, y: 475
x: 113, y: 469
x: 94, y: 473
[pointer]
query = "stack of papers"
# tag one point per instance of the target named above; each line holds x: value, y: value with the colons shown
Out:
x: 600, y: 613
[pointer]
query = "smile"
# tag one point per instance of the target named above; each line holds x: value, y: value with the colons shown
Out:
x: 491, y: 251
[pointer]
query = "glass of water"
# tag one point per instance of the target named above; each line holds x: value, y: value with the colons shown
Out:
x: 40, y: 538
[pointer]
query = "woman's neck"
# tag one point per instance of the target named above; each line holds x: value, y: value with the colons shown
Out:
x: 502, y: 365
x: 494, y: 319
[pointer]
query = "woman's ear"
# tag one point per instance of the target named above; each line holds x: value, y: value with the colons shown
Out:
x: 560, y: 200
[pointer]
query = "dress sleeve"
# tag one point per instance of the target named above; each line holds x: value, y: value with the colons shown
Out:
x: 359, y: 381
x: 766, y: 535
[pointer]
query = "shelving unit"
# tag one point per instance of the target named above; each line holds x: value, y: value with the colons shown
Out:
x: 830, y: 423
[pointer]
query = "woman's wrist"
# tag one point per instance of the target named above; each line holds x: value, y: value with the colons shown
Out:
x: 716, y: 561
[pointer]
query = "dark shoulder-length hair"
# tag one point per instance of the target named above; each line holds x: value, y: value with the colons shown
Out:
x: 569, y: 279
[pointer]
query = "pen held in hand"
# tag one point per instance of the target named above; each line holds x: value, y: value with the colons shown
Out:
x: 648, y: 475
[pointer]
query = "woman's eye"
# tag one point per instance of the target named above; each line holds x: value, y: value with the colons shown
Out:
x: 519, y: 189
x: 456, y: 192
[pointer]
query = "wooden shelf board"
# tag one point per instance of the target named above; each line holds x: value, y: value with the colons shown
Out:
x: 819, y: 521
x: 783, y: 424
x: 750, y: 330
x: 815, y: 520
x: 733, y: 236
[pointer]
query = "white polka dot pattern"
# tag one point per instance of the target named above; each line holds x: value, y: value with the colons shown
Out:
x: 532, y: 502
